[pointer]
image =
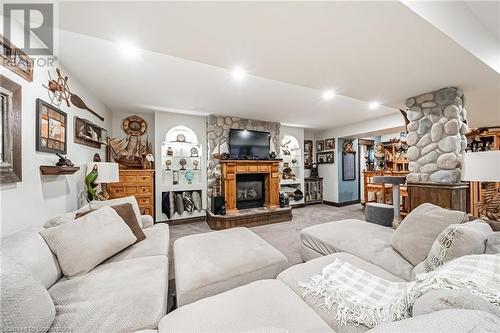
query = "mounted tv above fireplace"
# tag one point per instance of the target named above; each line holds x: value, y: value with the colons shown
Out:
x: 249, y: 145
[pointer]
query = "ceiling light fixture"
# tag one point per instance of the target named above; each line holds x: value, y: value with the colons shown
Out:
x: 374, y: 105
x: 328, y: 95
x: 239, y: 74
x: 128, y: 50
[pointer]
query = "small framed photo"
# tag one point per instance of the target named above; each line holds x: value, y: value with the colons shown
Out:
x: 325, y: 158
x: 330, y: 144
x: 320, y: 145
x: 51, y: 128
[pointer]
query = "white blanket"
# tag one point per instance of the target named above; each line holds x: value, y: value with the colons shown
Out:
x: 363, y: 298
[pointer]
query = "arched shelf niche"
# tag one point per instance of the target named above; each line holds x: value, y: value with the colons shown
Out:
x: 175, y: 134
x: 289, y: 145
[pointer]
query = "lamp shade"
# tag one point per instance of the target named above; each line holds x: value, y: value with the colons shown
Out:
x: 106, y: 172
x: 482, y: 166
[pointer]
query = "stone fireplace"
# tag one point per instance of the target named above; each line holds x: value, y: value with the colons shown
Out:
x: 250, y: 190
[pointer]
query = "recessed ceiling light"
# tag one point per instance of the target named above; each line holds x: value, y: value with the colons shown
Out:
x: 128, y: 50
x: 328, y: 95
x: 239, y: 74
x: 374, y: 105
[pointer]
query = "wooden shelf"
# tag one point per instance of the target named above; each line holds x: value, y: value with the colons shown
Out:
x: 53, y: 170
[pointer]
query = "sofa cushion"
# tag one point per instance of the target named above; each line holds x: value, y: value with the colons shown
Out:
x: 155, y: 244
x: 442, y: 299
x: 86, y: 242
x: 493, y: 243
x: 64, y: 217
x: 250, y: 308
x: 458, y: 240
x: 211, y: 263
x: 25, y: 303
x: 368, y: 241
x: 28, y: 248
x: 122, y: 296
x: 444, y: 321
x: 96, y: 204
x: 303, y: 272
x: 418, y: 231
x: 126, y: 212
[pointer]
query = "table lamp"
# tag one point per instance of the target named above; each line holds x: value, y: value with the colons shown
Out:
x: 484, y: 166
x: 100, y: 173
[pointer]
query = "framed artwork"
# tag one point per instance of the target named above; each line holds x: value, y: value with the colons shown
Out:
x: 15, y: 60
x: 325, y: 158
x: 51, y: 128
x: 10, y: 131
x: 320, y: 145
x: 330, y: 144
x: 348, y: 166
x: 308, y: 154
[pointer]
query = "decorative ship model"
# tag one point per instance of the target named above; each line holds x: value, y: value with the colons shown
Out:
x: 132, y: 152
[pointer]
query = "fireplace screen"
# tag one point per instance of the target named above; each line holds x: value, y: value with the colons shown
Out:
x: 249, y: 191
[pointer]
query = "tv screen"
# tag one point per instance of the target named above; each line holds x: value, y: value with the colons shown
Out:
x: 245, y: 144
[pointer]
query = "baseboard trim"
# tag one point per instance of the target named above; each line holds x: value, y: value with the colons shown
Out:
x: 298, y: 205
x: 341, y: 204
x: 185, y: 221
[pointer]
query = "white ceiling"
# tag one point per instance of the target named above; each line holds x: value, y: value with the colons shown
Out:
x: 294, y: 50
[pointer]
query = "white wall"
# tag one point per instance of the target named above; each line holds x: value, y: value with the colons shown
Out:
x: 37, y: 197
x: 164, y: 121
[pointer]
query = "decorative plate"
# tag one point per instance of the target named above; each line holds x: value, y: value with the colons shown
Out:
x: 134, y: 125
x: 181, y: 138
x: 194, y: 152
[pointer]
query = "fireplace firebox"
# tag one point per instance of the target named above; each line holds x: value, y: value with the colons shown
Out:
x: 249, y: 190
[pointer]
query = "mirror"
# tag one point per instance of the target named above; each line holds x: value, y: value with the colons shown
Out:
x: 10, y: 131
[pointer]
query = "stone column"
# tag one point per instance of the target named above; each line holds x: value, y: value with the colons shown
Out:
x: 436, y: 136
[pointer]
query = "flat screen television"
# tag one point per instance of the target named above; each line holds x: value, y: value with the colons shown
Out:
x: 249, y: 145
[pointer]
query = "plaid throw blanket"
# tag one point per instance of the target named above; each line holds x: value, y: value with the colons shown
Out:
x: 363, y: 298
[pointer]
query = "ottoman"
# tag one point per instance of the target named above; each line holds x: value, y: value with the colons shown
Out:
x: 211, y: 263
x: 379, y: 213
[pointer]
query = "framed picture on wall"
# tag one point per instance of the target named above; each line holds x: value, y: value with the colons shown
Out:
x: 51, y: 128
x: 325, y: 158
x: 320, y: 145
x: 308, y: 154
x: 330, y: 144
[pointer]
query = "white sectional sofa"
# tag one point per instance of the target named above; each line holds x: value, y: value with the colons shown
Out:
x: 126, y: 293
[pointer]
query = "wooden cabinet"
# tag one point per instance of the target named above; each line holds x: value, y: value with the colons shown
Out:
x: 139, y: 183
x: 313, y: 190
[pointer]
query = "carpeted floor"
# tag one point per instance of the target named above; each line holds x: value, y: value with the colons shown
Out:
x: 284, y: 236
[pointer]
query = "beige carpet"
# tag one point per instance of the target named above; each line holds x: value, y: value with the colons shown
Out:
x: 284, y: 236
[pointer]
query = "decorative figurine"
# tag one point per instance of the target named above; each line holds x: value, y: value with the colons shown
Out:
x: 168, y: 163
x: 194, y: 152
x: 175, y: 177
x: 170, y: 152
x: 181, y: 138
x: 183, y: 162
x: 63, y: 161
x: 195, y: 164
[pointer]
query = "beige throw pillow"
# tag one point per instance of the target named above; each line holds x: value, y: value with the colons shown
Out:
x: 118, y: 201
x: 414, y: 237
x: 86, y: 242
x: 458, y: 240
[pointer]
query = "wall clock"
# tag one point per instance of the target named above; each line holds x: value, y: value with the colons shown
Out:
x: 134, y: 125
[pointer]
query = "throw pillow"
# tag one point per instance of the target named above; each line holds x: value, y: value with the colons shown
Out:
x: 25, y: 303
x: 65, y: 217
x: 171, y: 201
x: 126, y: 212
x: 458, y: 240
x: 86, y: 242
x: 113, y: 202
x: 493, y: 243
x: 414, y: 237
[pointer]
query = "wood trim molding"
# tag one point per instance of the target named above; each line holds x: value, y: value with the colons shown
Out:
x: 230, y: 170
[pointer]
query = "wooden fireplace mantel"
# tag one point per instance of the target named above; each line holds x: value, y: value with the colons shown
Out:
x: 270, y: 168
